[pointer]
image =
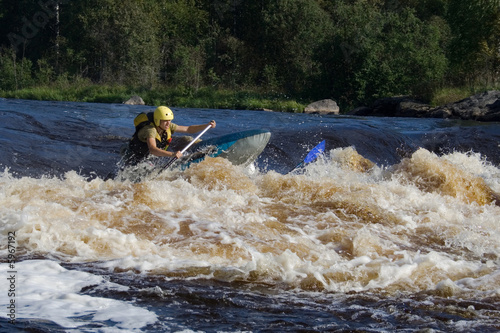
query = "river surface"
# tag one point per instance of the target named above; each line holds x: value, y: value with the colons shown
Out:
x: 395, y: 228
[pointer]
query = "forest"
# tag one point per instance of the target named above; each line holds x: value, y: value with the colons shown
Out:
x: 353, y: 51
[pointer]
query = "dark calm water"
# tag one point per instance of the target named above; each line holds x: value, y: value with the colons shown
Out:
x: 395, y: 228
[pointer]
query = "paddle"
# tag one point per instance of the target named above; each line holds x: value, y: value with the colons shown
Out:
x: 313, y: 154
x: 173, y: 159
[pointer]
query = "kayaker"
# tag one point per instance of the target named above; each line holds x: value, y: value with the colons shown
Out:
x: 153, y: 134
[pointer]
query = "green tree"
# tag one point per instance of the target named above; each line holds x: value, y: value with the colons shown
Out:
x: 473, y: 51
x: 28, y: 27
x: 16, y: 73
x: 229, y: 59
x: 270, y: 43
x: 182, y: 34
x: 294, y: 31
x: 378, y: 53
x: 406, y: 58
x: 118, y: 41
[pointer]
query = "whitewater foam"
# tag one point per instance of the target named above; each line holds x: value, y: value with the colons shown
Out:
x: 47, y: 290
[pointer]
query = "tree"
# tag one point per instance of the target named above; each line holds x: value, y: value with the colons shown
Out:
x: 118, y: 41
x: 16, y: 73
x: 284, y: 36
x: 473, y: 51
x: 380, y: 53
x: 28, y: 27
x: 182, y: 34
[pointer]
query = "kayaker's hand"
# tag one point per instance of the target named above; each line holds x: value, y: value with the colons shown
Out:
x: 178, y: 154
x: 212, y: 122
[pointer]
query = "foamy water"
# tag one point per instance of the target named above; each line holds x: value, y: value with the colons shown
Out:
x: 343, y: 225
x: 47, y: 290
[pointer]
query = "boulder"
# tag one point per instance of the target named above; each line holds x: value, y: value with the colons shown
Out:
x: 361, y: 111
x: 412, y: 108
x: 399, y: 106
x: 325, y: 106
x: 480, y: 107
x: 135, y: 100
x: 388, y: 107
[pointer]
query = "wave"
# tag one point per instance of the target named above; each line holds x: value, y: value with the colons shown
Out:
x: 428, y: 223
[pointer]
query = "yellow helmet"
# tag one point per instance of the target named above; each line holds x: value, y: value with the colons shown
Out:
x: 162, y: 113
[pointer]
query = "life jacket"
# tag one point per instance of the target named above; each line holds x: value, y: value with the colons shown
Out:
x: 139, y: 149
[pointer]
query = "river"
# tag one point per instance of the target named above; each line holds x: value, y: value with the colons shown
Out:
x: 395, y: 228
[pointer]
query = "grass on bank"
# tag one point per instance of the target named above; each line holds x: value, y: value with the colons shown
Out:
x: 82, y: 90
x: 206, y: 97
x: 448, y: 95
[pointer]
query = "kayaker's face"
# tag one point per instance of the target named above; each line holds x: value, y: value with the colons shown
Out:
x: 164, y: 124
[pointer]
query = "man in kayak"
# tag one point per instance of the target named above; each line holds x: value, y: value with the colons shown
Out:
x: 153, y: 134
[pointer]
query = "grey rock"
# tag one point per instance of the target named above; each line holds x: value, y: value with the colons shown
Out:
x: 135, y: 100
x: 325, y: 106
x: 480, y: 107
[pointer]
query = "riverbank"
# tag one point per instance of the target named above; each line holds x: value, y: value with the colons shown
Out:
x: 445, y: 102
x: 206, y: 97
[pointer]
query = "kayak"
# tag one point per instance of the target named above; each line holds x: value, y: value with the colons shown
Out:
x: 241, y: 148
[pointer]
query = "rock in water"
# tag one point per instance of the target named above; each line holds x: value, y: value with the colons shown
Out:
x: 135, y: 100
x: 325, y: 106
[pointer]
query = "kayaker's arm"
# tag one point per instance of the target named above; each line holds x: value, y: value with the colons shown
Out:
x: 160, y: 152
x: 194, y: 128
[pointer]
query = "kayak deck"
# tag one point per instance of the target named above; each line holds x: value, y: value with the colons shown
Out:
x: 240, y: 148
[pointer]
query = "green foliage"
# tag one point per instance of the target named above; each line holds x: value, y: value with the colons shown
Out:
x: 179, y: 51
x: 45, y: 73
x: 207, y: 97
x: 284, y: 37
x: 181, y: 31
x: 294, y: 30
x: 15, y: 73
x: 121, y: 44
x: 382, y: 53
x: 473, y: 51
x: 449, y: 95
x: 190, y: 63
x: 413, y: 58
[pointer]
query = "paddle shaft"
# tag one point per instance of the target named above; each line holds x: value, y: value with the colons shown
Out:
x: 173, y: 159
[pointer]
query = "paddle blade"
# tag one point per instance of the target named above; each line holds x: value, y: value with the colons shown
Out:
x: 315, y: 152
x: 312, y: 155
